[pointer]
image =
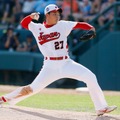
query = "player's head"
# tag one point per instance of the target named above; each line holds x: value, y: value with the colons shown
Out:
x: 52, y: 8
x: 52, y: 13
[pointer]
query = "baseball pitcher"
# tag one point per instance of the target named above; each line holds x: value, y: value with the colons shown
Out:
x: 51, y: 38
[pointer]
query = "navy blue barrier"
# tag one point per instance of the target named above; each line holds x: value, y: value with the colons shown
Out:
x: 23, y: 35
x: 24, y: 61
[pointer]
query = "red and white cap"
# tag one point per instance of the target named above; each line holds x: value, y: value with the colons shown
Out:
x: 52, y: 8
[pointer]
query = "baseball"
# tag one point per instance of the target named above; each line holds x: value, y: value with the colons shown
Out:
x: 36, y: 16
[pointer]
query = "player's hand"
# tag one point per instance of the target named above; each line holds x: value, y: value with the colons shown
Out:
x: 35, y: 16
x: 88, y: 35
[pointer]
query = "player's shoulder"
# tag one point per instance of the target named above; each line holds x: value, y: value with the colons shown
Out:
x: 66, y: 22
x: 35, y: 24
x: 63, y: 21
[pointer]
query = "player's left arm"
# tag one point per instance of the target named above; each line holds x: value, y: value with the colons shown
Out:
x: 83, y: 26
x: 89, y: 28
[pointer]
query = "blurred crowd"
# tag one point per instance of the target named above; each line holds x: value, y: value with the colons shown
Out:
x: 13, y: 11
x: 10, y: 41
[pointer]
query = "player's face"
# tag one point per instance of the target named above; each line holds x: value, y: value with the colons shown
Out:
x: 53, y: 17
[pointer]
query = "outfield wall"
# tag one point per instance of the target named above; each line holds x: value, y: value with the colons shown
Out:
x: 104, y: 60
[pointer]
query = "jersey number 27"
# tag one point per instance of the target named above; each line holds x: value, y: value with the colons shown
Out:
x: 58, y: 45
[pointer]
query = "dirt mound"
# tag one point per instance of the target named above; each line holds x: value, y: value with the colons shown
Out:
x: 24, y: 113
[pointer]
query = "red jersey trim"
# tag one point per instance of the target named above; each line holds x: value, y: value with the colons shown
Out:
x: 83, y: 25
x: 46, y: 25
x: 25, y: 22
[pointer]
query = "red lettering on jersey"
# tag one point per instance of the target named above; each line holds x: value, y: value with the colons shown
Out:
x: 43, y: 38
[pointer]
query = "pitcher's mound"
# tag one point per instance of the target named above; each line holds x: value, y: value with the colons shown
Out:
x: 24, y: 113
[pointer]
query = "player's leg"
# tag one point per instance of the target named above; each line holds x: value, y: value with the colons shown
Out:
x: 21, y: 91
x: 44, y: 78
x: 81, y: 73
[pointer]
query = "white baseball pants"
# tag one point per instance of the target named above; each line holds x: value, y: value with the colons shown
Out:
x: 53, y: 70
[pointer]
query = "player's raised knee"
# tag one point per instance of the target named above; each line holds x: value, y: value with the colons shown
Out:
x: 92, y: 78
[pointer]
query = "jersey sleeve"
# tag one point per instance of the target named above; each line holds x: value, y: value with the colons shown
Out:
x: 83, y: 26
x: 25, y: 22
x: 28, y: 24
x: 68, y: 26
x: 32, y: 26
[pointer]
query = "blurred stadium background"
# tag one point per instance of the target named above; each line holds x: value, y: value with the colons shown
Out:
x: 20, y: 59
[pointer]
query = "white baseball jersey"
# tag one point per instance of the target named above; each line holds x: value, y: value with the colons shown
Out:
x: 52, y: 41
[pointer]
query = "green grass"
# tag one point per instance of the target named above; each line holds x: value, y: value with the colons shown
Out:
x: 67, y: 102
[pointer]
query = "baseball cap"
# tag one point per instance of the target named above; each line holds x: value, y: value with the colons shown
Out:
x: 52, y: 7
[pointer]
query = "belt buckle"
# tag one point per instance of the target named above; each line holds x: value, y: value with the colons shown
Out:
x: 66, y: 57
x: 57, y: 58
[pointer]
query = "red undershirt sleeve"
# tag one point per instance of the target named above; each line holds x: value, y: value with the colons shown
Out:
x: 25, y: 22
x: 83, y: 25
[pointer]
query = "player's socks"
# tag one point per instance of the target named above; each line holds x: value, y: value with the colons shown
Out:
x: 2, y: 100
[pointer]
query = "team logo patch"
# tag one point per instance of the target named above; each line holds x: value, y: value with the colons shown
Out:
x: 47, y: 9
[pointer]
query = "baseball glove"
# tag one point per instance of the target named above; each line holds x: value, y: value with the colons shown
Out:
x: 88, y: 35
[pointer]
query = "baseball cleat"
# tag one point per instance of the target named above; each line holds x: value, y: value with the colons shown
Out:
x: 106, y: 110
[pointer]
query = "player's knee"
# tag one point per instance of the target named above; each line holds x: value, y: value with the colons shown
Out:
x: 94, y: 76
x: 26, y: 90
x: 91, y: 78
